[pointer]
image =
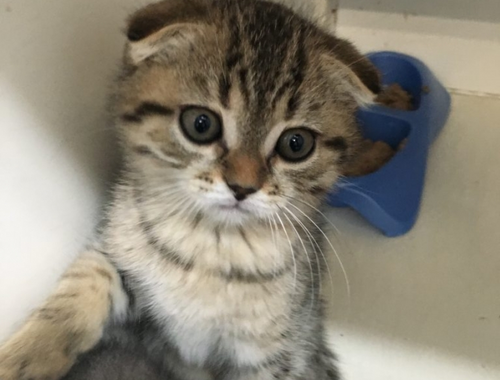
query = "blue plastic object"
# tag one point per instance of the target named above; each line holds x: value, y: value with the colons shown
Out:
x: 390, y: 198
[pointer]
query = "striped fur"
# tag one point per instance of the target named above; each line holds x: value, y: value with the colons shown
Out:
x: 187, y: 280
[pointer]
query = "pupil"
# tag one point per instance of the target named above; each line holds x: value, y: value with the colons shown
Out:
x: 202, y: 124
x: 296, y: 143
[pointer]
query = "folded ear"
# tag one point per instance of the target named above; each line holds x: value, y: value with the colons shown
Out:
x: 165, y: 28
x: 351, y: 82
x: 357, y: 72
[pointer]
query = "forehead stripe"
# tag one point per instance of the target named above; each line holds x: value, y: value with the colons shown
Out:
x: 297, y: 75
x: 233, y: 57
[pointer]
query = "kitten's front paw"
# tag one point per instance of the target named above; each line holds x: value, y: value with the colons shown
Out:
x: 34, y: 366
x: 33, y: 360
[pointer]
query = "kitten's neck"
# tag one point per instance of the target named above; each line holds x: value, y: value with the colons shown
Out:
x: 256, y: 248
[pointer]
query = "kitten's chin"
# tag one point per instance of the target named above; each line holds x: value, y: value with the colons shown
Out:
x: 233, y: 215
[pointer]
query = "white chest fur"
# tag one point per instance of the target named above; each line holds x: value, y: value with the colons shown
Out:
x: 202, y: 309
x: 204, y: 314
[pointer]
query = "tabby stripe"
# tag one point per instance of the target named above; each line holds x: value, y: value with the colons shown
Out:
x: 297, y: 74
x: 233, y: 57
x: 47, y: 314
x: 75, y: 275
x: 337, y: 143
x: 127, y: 288
x: 196, y: 220
x: 147, y: 109
x: 104, y: 274
x: 287, y: 82
x: 280, y: 93
x: 217, y: 237
x: 142, y: 150
x: 51, y: 314
x: 245, y: 239
x: 224, y: 88
x: 73, y: 339
x: 237, y: 275
x: 168, y: 254
x: 243, y: 77
x: 65, y: 296
x: 315, y: 190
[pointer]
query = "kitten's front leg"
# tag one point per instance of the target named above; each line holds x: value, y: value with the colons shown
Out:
x: 69, y: 323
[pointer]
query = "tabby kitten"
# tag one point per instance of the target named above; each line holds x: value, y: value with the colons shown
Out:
x: 236, y: 118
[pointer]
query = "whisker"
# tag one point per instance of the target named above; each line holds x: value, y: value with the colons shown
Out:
x: 336, y: 231
x: 318, y: 211
x: 273, y: 237
x: 276, y: 229
x: 291, y: 249
x: 311, y: 239
x: 162, y: 156
x: 192, y: 210
x: 332, y: 247
x: 159, y: 191
x: 173, y: 199
x: 180, y: 202
x: 155, y: 196
x: 330, y: 277
x: 351, y: 184
x: 188, y: 205
x: 308, y: 261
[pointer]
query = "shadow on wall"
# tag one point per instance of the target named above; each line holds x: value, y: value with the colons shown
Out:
x: 57, y: 150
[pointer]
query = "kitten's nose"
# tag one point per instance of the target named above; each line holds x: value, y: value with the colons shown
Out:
x: 241, y: 192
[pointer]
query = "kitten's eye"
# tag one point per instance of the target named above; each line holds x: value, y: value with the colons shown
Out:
x: 200, y: 125
x: 296, y: 144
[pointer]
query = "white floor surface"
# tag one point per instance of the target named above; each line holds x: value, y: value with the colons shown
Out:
x: 427, y: 305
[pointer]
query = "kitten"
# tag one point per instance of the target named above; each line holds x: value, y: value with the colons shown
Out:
x: 236, y: 118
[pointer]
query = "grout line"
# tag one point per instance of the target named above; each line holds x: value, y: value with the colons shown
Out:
x: 480, y: 94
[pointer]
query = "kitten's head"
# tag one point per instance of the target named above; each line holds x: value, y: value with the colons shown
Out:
x: 235, y: 109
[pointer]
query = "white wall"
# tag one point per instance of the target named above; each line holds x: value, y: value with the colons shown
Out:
x: 478, y: 10
x: 55, y: 150
x: 458, y: 39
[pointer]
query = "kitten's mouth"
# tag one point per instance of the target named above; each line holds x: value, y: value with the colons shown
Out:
x: 231, y: 211
x: 236, y: 209
x: 232, y: 207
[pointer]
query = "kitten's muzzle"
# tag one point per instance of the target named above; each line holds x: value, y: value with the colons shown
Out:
x: 244, y: 173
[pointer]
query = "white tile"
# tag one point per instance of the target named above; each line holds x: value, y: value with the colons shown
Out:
x: 464, y: 54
